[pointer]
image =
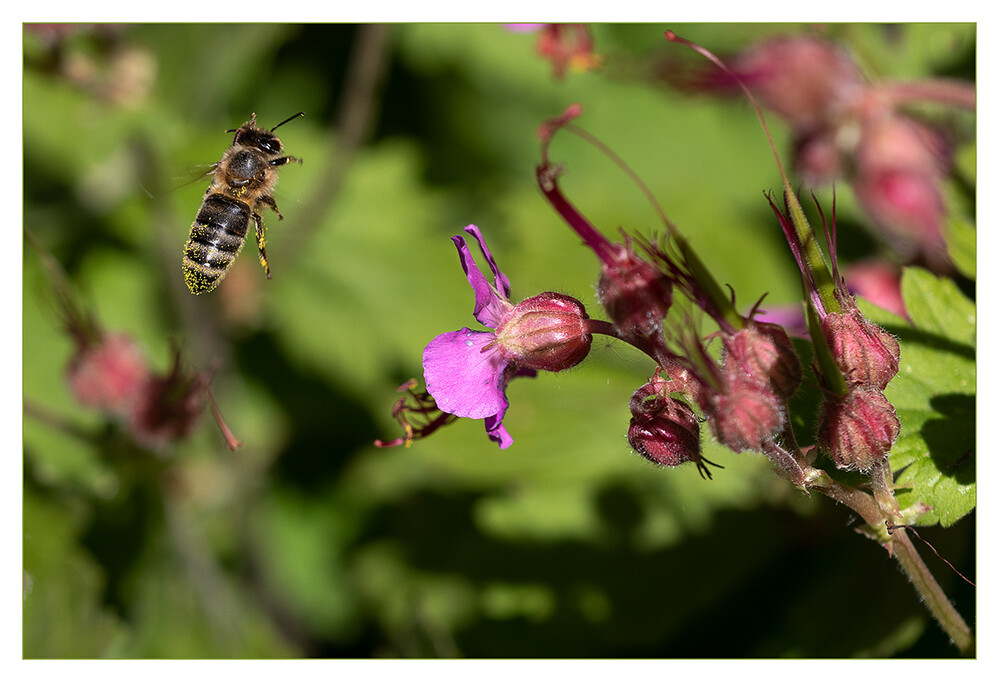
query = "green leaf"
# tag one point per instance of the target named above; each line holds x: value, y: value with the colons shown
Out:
x: 960, y: 235
x: 934, y: 396
x: 937, y: 306
x: 63, y: 616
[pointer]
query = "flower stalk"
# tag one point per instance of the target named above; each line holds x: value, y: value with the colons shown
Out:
x: 931, y: 592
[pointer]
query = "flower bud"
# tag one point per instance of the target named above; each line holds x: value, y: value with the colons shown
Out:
x: 890, y: 140
x: 107, y: 376
x: 804, y: 79
x: 546, y: 332
x: 865, y: 353
x: 763, y: 352
x: 651, y: 398
x: 900, y: 167
x: 167, y: 408
x: 670, y: 436
x: 859, y: 429
x: 907, y: 206
x: 746, y: 416
x: 636, y: 295
x: 818, y: 158
x: 567, y: 46
x: 879, y: 282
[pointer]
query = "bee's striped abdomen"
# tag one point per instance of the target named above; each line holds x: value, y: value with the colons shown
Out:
x: 217, y: 236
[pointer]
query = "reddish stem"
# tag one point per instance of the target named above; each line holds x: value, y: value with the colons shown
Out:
x: 548, y: 182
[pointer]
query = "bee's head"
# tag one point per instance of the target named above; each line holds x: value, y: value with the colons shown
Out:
x: 265, y: 140
x: 251, y: 136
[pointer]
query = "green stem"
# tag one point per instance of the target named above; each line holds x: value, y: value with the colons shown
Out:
x: 857, y: 500
x: 930, y: 591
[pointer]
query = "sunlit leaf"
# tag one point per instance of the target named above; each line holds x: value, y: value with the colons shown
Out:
x: 934, y: 395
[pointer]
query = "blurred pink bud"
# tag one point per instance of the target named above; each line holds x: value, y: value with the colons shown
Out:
x: 878, y: 282
x: 906, y: 205
x: 789, y: 317
x: 900, y: 168
x: 523, y: 28
x: 108, y: 375
x: 567, y: 46
x: 889, y: 140
x: 818, y: 157
x: 803, y: 78
x: 167, y: 407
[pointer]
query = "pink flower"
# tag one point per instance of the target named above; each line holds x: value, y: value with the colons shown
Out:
x: 108, y: 374
x: 879, y: 282
x: 467, y: 371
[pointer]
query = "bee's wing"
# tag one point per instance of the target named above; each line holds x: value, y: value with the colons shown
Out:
x: 197, y: 173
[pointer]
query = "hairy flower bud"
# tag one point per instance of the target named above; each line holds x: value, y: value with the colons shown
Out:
x: 547, y: 332
x: 635, y: 294
x: 651, y: 398
x: 108, y: 375
x: 865, y: 353
x: 859, y: 429
x: 763, y: 352
x: 667, y: 441
x: 664, y: 430
x: 746, y: 415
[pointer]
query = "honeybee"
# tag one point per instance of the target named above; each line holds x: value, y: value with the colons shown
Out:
x: 242, y: 182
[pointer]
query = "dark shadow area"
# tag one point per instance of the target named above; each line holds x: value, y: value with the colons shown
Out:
x: 621, y: 513
x: 318, y: 44
x: 48, y: 213
x: 803, y: 406
x: 758, y: 583
x: 951, y: 438
x: 327, y: 427
x: 115, y: 530
x: 907, y: 334
x: 962, y: 64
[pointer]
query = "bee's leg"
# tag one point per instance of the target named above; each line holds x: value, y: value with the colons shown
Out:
x: 260, y: 243
x: 269, y: 200
x: 282, y: 160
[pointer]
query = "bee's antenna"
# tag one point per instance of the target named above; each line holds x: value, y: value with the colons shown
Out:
x: 301, y: 113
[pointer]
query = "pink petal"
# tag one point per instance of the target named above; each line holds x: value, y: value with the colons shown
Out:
x: 500, y: 280
x: 464, y: 379
x: 497, y: 432
x: 490, y: 301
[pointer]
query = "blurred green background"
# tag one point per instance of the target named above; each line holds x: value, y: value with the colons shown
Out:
x: 308, y: 541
